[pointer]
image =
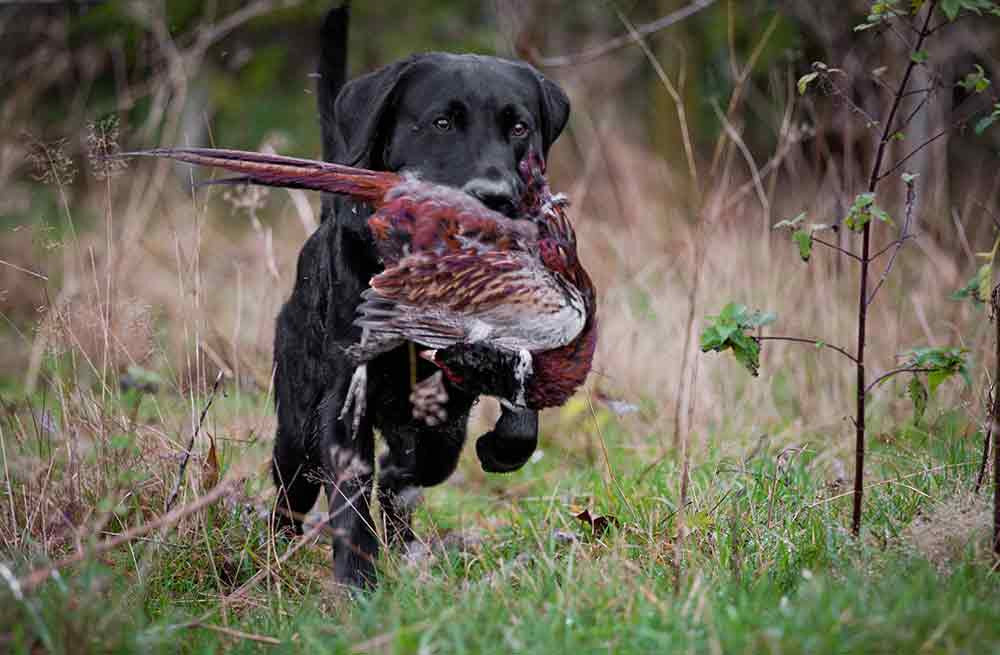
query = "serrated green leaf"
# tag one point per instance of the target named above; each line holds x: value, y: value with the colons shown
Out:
x: 804, y: 239
x: 728, y: 331
x: 918, y: 395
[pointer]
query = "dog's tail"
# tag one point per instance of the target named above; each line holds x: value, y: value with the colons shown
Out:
x: 289, y: 172
x: 332, y: 72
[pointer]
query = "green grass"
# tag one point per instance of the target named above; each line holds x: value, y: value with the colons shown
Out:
x: 768, y: 566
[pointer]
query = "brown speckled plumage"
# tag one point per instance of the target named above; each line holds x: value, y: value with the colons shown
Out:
x: 458, y: 276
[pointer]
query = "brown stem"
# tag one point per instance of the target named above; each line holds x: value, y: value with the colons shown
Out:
x: 896, y: 371
x: 995, y: 429
x: 815, y: 342
x: 187, y: 453
x: 986, y: 455
x: 843, y: 251
x: 859, y: 420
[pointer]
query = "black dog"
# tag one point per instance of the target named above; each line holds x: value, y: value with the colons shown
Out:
x: 461, y: 120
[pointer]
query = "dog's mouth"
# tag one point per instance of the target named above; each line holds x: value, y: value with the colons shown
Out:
x: 496, y: 195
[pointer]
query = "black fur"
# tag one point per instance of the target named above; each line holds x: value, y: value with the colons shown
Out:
x: 385, y: 120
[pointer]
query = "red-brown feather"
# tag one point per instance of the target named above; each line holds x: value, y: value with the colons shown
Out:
x: 443, y: 249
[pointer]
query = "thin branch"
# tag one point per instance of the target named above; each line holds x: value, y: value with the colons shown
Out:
x: 923, y: 145
x: 24, y: 270
x: 843, y: 251
x: 620, y: 42
x: 187, y: 453
x: 815, y: 342
x: 674, y: 95
x: 910, y: 201
x: 896, y: 371
x: 890, y: 246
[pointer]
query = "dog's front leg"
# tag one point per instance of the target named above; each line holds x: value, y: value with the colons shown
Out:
x: 511, y: 442
x: 348, y: 458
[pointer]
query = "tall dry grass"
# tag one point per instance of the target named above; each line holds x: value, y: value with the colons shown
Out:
x: 185, y: 282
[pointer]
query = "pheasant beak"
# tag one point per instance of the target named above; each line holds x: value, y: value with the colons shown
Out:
x: 429, y: 355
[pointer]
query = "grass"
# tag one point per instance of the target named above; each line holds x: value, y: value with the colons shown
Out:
x: 761, y: 563
x: 768, y: 565
x: 141, y: 284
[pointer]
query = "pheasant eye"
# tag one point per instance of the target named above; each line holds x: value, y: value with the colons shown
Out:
x: 519, y: 130
x: 442, y: 124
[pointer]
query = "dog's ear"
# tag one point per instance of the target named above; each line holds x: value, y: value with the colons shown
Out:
x: 555, y: 111
x: 358, y: 118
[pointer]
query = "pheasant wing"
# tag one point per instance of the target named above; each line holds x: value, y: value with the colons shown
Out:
x: 417, y: 217
x: 503, y: 298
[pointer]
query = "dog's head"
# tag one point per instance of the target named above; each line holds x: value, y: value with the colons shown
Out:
x: 461, y: 120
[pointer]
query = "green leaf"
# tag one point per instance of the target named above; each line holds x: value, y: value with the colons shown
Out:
x: 951, y: 8
x: 969, y: 292
x: 805, y: 81
x: 984, y: 276
x: 940, y: 364
x: 862, y: 211
x: 986, y: 122
x: 918, y: 394
x: 728, y: 331
x: 935, y: 378
x: 804, y: 239
x: 976, y: 81
x: 909, y: 178
x: 919, y: 57
x: 790, y: 222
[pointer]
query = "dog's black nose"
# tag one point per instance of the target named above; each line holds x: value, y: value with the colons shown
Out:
x: 498, y: 196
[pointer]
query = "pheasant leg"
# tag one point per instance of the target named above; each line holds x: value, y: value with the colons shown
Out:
x: 357, y: 391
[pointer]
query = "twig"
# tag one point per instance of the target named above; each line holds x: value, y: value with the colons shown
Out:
x: 911, y: 197
x: 25, y: 270
x: 923, y: 145
x: 896, y: 371
x: 239, y: 634
x: 39, y: 575
x: 815, y: 342
x: 890, y: 246
x: 187, y: 453
x: 620, y: 42
x: 843, y: 251
x: 995, y: 426
x: 292, y: 549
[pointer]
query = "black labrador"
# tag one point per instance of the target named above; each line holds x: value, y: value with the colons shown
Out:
x: 461, y: 120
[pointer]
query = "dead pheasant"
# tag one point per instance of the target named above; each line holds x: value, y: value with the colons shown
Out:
x: 504, y: 304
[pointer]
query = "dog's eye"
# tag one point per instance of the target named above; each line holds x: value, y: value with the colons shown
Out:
x: 442, y: 124
x: 519, y: 131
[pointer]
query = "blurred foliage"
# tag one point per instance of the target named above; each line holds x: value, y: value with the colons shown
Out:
x: 71, y: 63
